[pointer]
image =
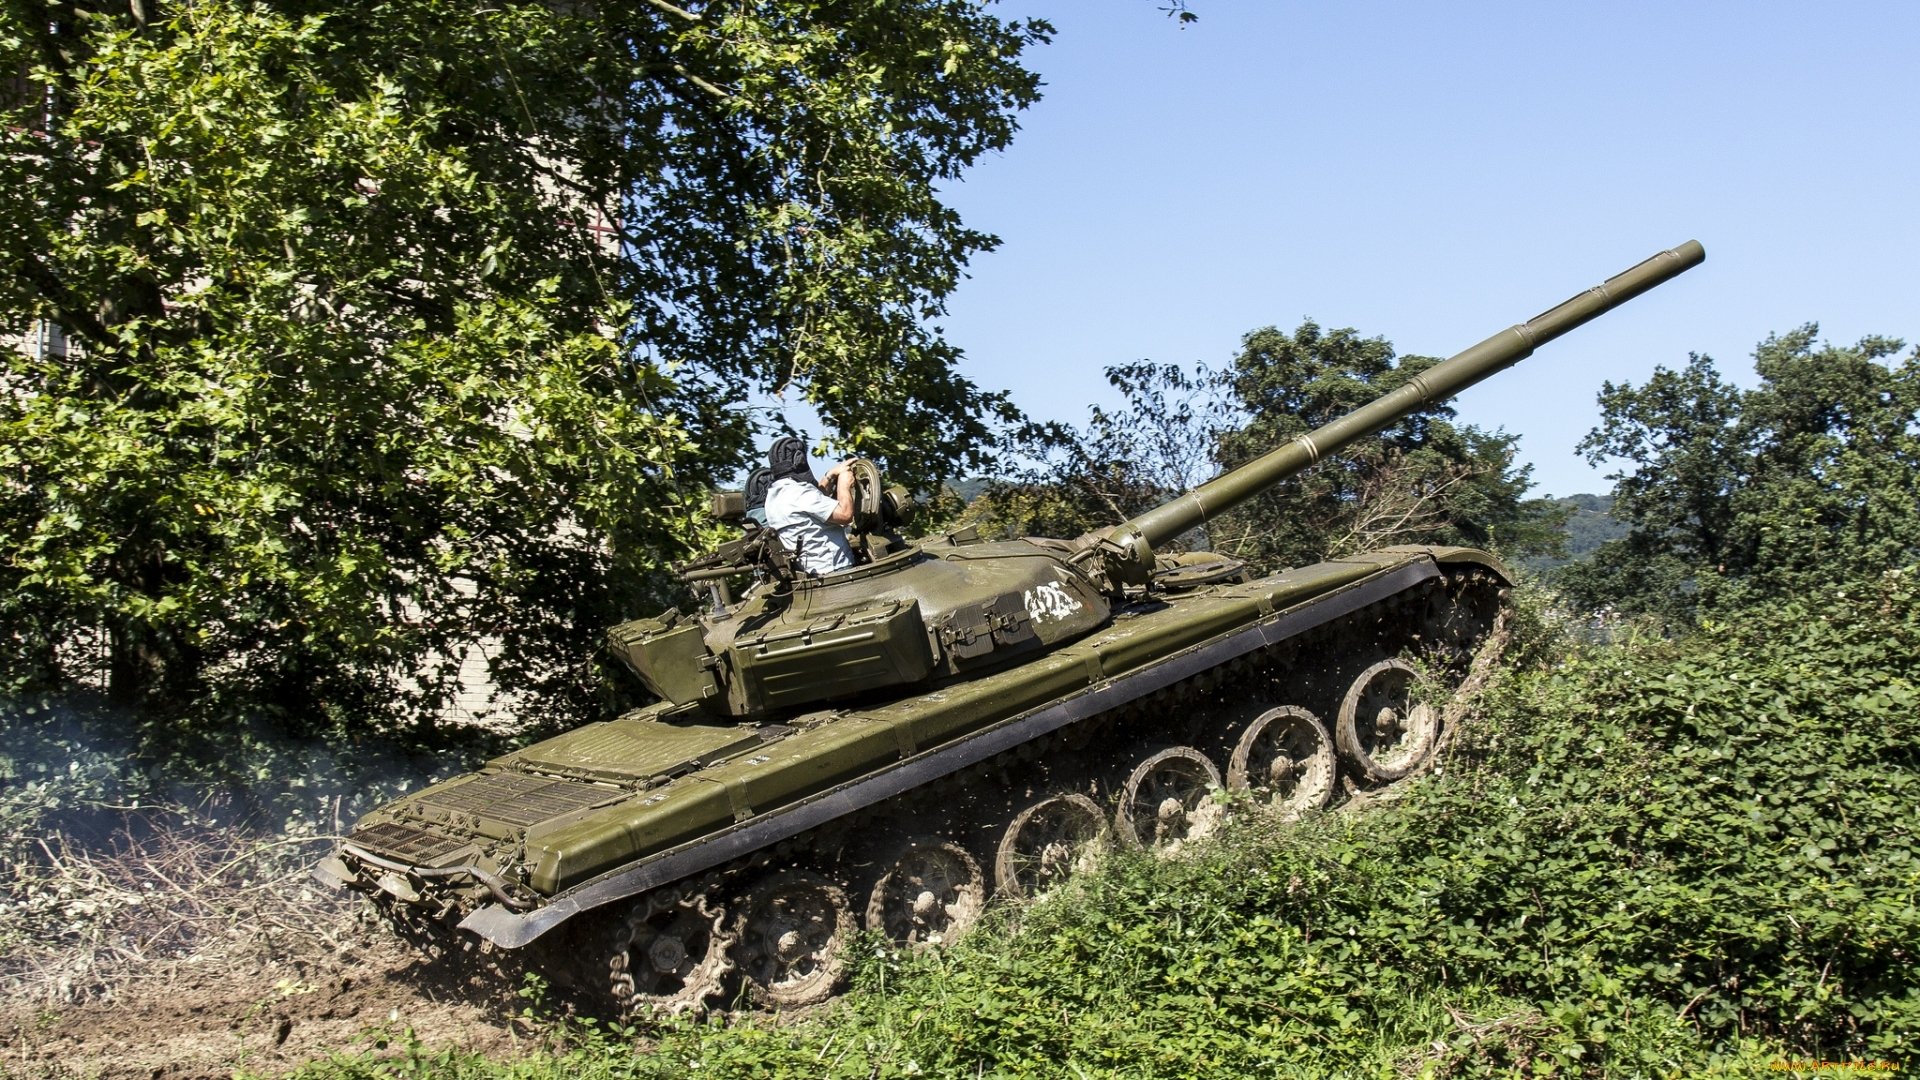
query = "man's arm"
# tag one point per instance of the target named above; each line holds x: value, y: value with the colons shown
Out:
x: 843, y: 495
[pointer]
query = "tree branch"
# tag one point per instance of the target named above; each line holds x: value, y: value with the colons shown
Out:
x: 69, y: 307
x: 677, y: 12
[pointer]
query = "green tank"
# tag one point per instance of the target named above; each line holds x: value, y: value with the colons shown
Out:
x: 889, y: 745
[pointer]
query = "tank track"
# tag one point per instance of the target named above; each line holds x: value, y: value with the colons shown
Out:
x: 623, y: 947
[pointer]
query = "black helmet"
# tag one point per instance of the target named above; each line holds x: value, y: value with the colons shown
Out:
x: 789, y: 458
x: 757, y: 483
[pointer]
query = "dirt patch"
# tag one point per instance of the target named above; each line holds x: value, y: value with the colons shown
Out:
x: 208, y: 1022
x: 178, y: 952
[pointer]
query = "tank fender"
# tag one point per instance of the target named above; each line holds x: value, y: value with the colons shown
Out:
x: 1456, y: 556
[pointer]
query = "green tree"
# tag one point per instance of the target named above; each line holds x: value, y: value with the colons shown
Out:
x: 1423, y: 480
x: 1118, y: 464
x: 1811, y: 478
x: 397, y: 326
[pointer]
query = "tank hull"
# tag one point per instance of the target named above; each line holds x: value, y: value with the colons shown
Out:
x: 653, y: 798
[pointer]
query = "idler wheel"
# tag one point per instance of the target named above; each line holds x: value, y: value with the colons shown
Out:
x: 1383, y: 731
x: 669, y: 956
x: 932, y: 892
x: 793, y: 933
x: 1047, y: 842
x: 1167, y: 800
x: 1285, y: 760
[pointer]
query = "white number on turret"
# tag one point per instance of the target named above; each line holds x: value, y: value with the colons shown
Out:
x: 1051, y: 601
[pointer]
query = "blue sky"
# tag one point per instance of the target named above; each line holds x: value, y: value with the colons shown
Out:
x: 1434, y: 173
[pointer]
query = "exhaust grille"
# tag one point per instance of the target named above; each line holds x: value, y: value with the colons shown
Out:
x: 519, y: 799
x: 405, y: 843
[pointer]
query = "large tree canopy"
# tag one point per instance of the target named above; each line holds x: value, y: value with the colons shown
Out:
x: 1808, y: 481
x: 1424, y: 479
x: 400, y: 325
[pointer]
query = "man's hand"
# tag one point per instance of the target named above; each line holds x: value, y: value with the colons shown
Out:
x: 839, y: 483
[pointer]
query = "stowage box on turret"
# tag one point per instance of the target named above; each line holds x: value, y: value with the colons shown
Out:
x: 952, y: 717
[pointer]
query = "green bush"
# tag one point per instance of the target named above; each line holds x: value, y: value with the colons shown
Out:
x: 1724, y: 824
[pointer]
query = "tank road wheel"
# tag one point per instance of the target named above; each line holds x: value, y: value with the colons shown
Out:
x: 669, y: 956
x: 1168, y: 800
x: 1383, y: 731
x: 1285, y: 760
x: 793, y: 934
x: 1046, y: 842
x: 931, y: 893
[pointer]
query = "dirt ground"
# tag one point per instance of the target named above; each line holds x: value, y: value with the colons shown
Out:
x: 176, y: 952
x: 187, y: 1020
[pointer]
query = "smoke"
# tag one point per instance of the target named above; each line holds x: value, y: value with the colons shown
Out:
x: 127, y: 845
x: 72, y: 763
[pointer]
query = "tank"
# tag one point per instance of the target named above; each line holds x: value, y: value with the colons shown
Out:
x: 953, y: 718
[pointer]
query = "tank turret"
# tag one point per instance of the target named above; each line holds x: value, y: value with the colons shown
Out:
x: 946, y: 607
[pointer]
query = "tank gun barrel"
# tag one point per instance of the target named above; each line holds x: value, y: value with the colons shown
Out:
x: 1442, y: 381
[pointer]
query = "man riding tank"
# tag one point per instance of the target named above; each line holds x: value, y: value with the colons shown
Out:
x: 810, y: 516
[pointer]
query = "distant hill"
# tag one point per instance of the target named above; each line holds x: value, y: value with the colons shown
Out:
x: 970, y: 488
x: 1590, y: 525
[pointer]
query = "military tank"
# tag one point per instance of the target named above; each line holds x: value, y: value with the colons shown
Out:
x: 951, y: 718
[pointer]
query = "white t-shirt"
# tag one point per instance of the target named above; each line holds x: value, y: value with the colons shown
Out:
x: 798, y: 511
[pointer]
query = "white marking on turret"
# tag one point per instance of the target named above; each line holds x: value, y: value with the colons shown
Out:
x: 1051, y: 601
